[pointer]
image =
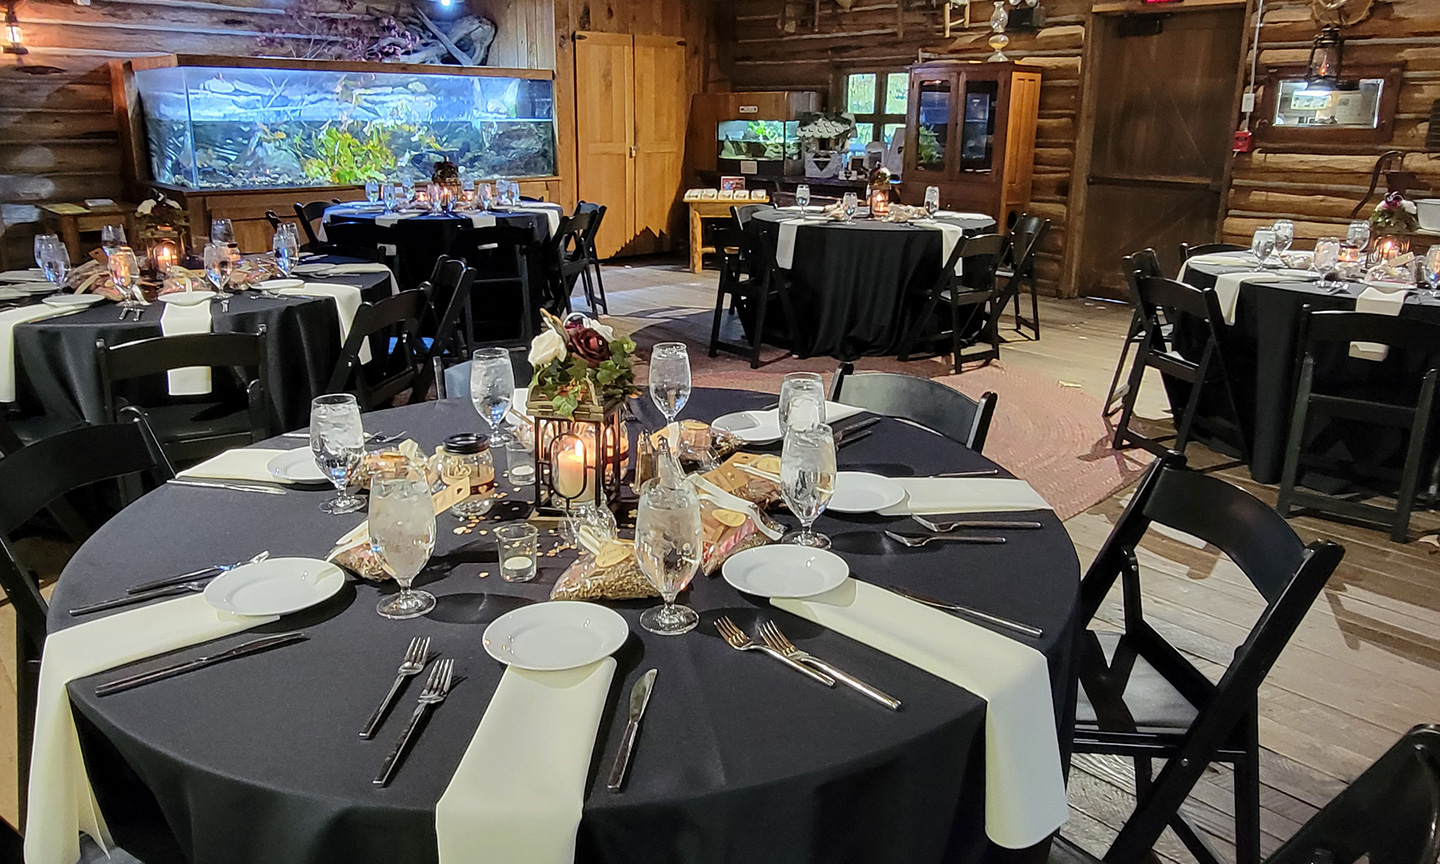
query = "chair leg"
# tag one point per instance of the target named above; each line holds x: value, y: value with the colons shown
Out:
x: 1247, y: 796
x: 1127, y: 403
x: 757, y: 338
x: 1192, y: 405
x: 715, y: 324
x: 917, y: 329
x: 955, y: 339
x: 27, y: 685
x: 1034, y: 305
x: 1410, y: 478
x: 1130, y: 335
x: 1301, y: 415
x: 600, y: 287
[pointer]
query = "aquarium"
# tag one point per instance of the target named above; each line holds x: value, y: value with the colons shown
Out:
x: 212, y: 127
x: 765, y: 147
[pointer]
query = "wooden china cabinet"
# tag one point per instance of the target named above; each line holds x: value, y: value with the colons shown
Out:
x: 971, y: 132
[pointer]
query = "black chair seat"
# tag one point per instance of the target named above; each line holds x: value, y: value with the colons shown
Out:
x: 1150, y: 702
x: 198, y: 420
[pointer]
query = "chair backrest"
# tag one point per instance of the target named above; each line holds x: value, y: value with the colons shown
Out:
x: 274, y: 219
x: 569, y: 239
x: 1144, y: 263
x: 1391, y: 812
x: 1187, y: 251
x: 39, y: 475
x: 454, y: 382
x: 983, y: 255
x: 308, y: 213
x: 743, y: 212
x: 1337, y: 326
x: 449, y: 290
x: 1166, y: 300
x: 919, y: 400
x: 399, y: 356
x: 363, y: 240
x: 1026, y: 235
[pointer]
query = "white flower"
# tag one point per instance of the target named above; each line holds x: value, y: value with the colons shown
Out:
x: 1410, y: 207
x: 171, y: 202
x: 546, y: 347
x: 145, y: 207
x: 605, y: 330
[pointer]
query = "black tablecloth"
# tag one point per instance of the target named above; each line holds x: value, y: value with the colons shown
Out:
x: 856, y: 286
x: 1261, y: 351
x: 56, y: 371
x: 258, y: 761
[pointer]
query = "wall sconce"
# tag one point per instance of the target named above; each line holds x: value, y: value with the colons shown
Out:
x: 14, y: 39
x: 998, y: 21
x: 1327, y: 52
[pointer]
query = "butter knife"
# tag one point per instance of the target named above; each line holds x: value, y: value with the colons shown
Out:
x: 251, y: 647
x: 639, y: 698
x: 1024, y: 629
x: 233, y: 487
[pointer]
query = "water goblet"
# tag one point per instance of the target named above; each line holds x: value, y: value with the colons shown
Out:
x: 372, y: 191
x: 932, y: 201
x: 1326, y: 259
x: 670, y: 379
x: 1262, y: 246
x: 668, y: 542
x: 390, y: 196
x: 218, y: 264
x: 486, y: 194
x: 1431, y: 270
x: 802, y: 197
x: 1284, y: 236
x: 337, y: 441
x: 55, y: 262
x: 112, y: 237
x: 222, y: 231
x: 851, y: 203
x: 286, y: 250
x: 802, y: 401
x: 402, y: 535
x: 43, y: 241
x: 125, y: 273
x: 1358, y: 234
x: 807, y: 480
x: 492, y: 386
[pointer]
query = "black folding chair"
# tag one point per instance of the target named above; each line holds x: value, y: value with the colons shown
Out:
x: 1141, y: 698
x: 364, y: 240
x: 392, y: 329
x: 566, y: 260
x: 1390, y: 814
x: 1169, y: 309
x: 503, y: 257
x: 308, y: 214
x: 1142, y: 263
x: 35, y: 478
x: 1403, y: 403
x: 235, y: 413
x: 742, y: 283
x: 1187, y: 251
x: 453, y: 382
x: 1026, y: 235
x: 919, y: 400
x: 594, y: 283
x: 975, y: 289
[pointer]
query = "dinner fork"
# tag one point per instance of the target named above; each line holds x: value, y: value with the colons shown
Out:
x: 436, y: 689
x: 777, y: 640
x: 414, y: 663
x: 737, y: 639
x: 996, y: 524
x: 921, y: 542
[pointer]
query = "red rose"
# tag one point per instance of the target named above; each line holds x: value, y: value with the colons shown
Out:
x: 589, y: 345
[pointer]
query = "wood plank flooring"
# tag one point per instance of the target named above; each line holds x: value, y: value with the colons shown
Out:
x: 1362, y: 669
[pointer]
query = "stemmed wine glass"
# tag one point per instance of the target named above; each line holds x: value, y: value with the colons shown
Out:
x: 222, y: 231
x: 402, y: 535
x: 286, y: 247
x: 1358, y: 234
x: 807, y: 480
x: 1262, y: 246
x: 670, y: 380
x: 112, y: 238
x: 492, y: 387
x: 668, y: 540
x: 802, y: 401
x: 338, y: 442
x: 218, y: 265
x: 1431, y: 270
x: 1284, y: 237
x: 851, y: 203
x: 486, y: 194
x: 1326, y: 260
x: 372, y: 191
x: 52, y: 257
x: 42, y: 242
x: 802, y: 197
x: 125, y: 273
x: 389, y: 195
x: 932, y: 201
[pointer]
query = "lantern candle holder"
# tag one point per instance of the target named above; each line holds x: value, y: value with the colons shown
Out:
x: 571, y: 469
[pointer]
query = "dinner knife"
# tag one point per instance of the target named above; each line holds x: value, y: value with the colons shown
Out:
x: 851, y: 439
x: 251, y: 647
x: 138, y: 597
x: 202, y: 573
x: 1025, y: 629
x: 857, y: 426
x: 639, y: 698
x: 233, y: 487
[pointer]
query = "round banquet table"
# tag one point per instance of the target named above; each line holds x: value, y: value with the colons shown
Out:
x: 420, y: 239
x: 258, y: 761
x: 56, y: 372
x: 855, y: 285
x: 1264, y: 371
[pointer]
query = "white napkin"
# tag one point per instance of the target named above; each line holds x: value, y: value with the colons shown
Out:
x: 1376, y: 302
x: 246, y: 464
x: 551, y: 212
x: 386, y: 220
x: 785, y: 243
x: 185, y: 320
x: 347, y: 303
x: 934, y: 496
x: 481, y: 220
x: 766, y: 424
x: 1227, y: 286
x: 366, y: 267
x: 950, y: 235
x: 8, y: 319
x: 1024, y: 789
x: 520, y: 786
x: 966, y: 220
x: 61, y: 803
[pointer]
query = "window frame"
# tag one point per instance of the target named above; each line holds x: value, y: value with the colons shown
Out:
x: 876, y: 118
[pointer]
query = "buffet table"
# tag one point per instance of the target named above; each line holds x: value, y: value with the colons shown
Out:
x: 859, y: 283
x: 258, y: 761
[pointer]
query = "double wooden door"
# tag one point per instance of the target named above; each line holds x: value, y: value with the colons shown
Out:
x: 630, y: 125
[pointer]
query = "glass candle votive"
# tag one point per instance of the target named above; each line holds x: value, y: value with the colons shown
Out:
x: 518, y: 547
x: 520, y: 463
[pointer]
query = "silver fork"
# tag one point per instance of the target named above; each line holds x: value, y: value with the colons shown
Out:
x: 414, y: 663
x: 740, y: 642
x: 436, y: 689
x: 996, y: 524
x: 777, y: 640
x: 919, y: 542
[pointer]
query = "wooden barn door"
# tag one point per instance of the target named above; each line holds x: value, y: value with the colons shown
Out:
x: 1162, y: 91
x: 605, y: 128
x: 660, y: 109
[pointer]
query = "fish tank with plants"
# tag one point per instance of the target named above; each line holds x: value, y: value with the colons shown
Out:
x: 768, y: 148
x: 245, y: 127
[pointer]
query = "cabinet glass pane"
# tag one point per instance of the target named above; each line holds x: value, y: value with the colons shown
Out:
x: 1298, y: 105
x: 897, y: 93
x: 890, y: 131
x: 933, y: 123
x: 977, y: 130
x: 860, y: 93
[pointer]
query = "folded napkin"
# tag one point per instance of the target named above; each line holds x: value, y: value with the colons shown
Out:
x: 767, y: 423
x: 1024, y: 789
x: 61, y: 802
x: 387, y: 220
x: 246, y: 464
x: 365, y: 267
x: 347, y: 303
x: 1376, y: 302
x: 519, y: 788
x: 950, y: 235
x: 938, y: 496
x: 185, y: 320
x: 8, y: 319
x: 1227, y: 286
x: 551, y: 212
x: 785, y: 243
x: 966, y: 220
x: 481, y: 219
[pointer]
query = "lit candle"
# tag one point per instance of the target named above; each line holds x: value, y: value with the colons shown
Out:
x: 164, y: 257
x: 570, y: 469
x: 879, y: 203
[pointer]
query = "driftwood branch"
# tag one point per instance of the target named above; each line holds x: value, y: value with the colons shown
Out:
x: 460, y: 56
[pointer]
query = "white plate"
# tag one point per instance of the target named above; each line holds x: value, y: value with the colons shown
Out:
x: 34, y: 274
x: 312, y: 269
x: 785, y: 570
x: 66, y: 301
x: 559, y: 634
x: 187, y: 298
x: 277, y: 586
x: 296, y: 466
x: 752, y: 427
x: 862, y: 492
x: 281, y: 284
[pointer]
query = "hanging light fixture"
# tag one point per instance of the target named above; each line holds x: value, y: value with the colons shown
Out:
x: 1322, y: 74
x: 14, y: 39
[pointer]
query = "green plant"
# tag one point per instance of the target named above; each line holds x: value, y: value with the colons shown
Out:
x: 927, y: 147
x: 344, y: 157
x: 581, y: 361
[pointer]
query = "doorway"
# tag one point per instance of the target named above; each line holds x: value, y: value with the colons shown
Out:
x: 1162, y: 96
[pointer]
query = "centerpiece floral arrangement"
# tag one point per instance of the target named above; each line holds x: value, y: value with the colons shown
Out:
x: 580, y: 361
x: 1394, y: 215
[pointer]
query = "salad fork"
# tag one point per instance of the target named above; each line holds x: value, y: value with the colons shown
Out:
x: 777, y: 640
x: 921, y: 542
x: 737, y: 639
x: 416, y: 656
x: 436, y: 689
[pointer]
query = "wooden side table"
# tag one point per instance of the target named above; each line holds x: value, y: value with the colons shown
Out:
x: 710, y: 208
x: 69, y: 220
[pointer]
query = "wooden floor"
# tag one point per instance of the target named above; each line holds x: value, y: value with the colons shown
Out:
x: 1363, y: 667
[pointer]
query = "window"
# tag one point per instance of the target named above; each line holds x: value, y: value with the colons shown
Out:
x: 879, y: 101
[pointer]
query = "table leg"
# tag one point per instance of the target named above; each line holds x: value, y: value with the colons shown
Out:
x: 70, y: 235
x: 696, y: 249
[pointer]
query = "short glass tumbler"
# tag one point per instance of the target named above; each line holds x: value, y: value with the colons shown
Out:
x: 518, y: 546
